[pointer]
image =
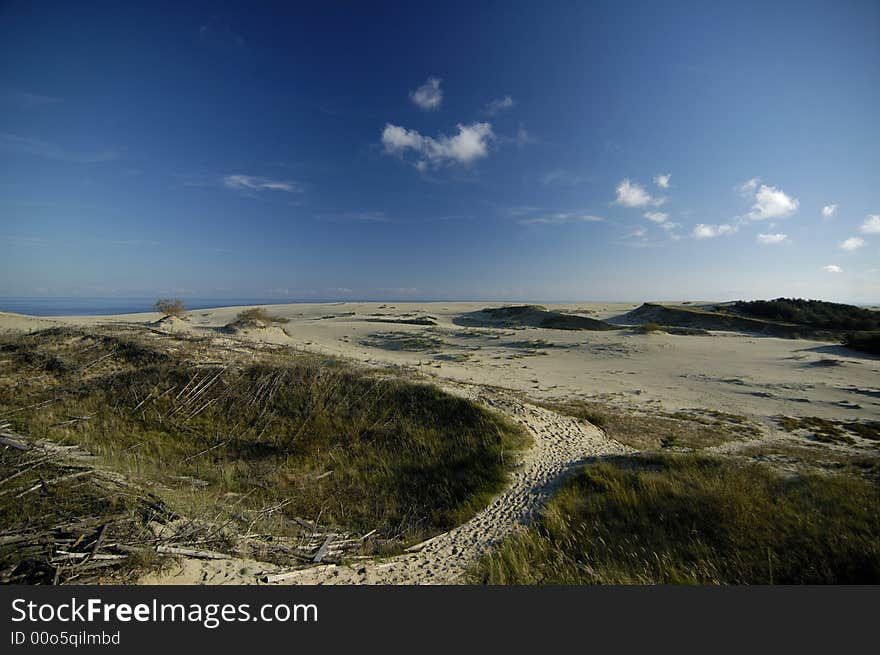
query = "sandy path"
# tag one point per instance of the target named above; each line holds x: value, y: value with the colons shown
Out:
x: 560, y: 443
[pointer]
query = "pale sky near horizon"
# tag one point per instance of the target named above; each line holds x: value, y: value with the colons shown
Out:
x: 483, y: 150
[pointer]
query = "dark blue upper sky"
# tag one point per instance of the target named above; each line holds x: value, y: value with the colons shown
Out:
x: 508, y: 150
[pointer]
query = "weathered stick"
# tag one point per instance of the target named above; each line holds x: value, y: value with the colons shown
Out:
x: 191, y: 552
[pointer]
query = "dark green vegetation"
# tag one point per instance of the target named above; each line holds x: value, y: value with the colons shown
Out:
x: 812, y: 313
x: 867, y: 342
x: 695, y: 429
x: 308, y: 436
x: 170, y: 307
x: 787, y: 318
x: 831, y: 431
x: 686, y: 519
x: 701, y: 319
x: 530, y: 316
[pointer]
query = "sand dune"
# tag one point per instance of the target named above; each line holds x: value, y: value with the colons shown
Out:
x: 759, y: 376
x: 506, y: 360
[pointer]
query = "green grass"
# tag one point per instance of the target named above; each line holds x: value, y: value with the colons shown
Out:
x: 684, y: 519
x: 348, y: 447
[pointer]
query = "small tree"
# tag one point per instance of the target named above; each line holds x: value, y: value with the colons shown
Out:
x: 170, y: 307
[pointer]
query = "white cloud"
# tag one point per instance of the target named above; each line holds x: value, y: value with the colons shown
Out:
x: 429, y: 95
x: 828, y: 211
x: 631, y: 194
x: 662, y: 181
x: 871, y: 224
x: 252, y: 183
x: 748, y: 188
x: 561, y: 218
x: 770, y: 202
x: 499, y: 105
x: 471, y: 143
x: 832, y: 268
x: 668, y: 225
x: 657, y: 217
x: 853, y: 243
x: 703, y: 231
x: 771, y: 239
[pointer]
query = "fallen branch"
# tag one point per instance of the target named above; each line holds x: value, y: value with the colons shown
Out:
x: 191, y: 552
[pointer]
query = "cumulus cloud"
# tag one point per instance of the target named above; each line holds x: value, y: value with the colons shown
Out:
x: 832, y: 268
x: 871, y: 225
x: 771, y: 239
x: 853, y: 243
x: 631, y: 194
x: 657, y: 217
x: 471, y: 143
x: 769, y: 201
x: 499, y: 105
x: 429, y: 95
x: 561, y: 218
x: 703, y: 231
x: 253, y: 183
x: 662, y: 181
x: 828, y: 211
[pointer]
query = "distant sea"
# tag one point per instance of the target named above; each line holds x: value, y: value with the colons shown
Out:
x: 106, y: 306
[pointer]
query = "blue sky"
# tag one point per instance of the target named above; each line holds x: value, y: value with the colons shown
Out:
x: 509, y: 150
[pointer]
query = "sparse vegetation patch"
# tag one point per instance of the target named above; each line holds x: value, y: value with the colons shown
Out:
x: 406, y: 341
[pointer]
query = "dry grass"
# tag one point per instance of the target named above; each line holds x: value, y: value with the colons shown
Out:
x: 816, y: 458
x: 694, y: 520
x: 830, y: 430
x: 343, y: 447
x: 641, y: 430
x: 258, y: 315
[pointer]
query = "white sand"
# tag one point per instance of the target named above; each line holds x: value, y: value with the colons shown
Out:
x: 756, y: 376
